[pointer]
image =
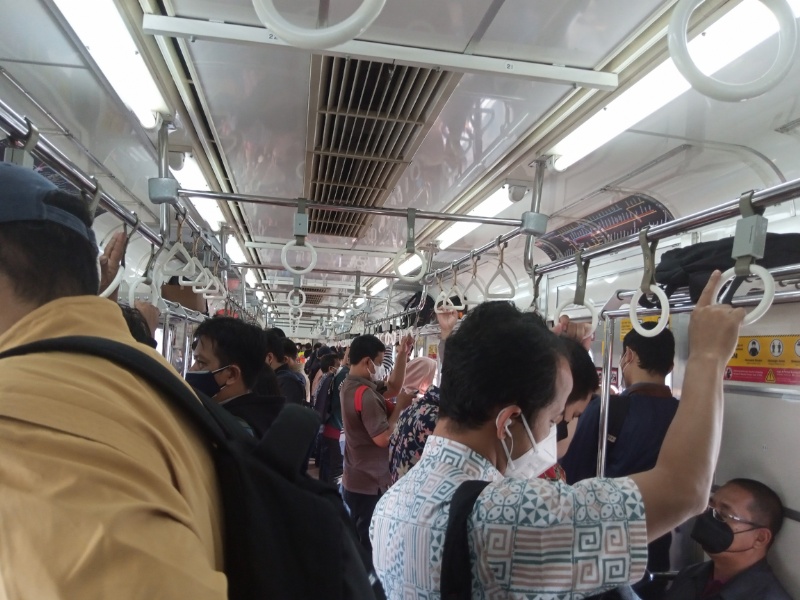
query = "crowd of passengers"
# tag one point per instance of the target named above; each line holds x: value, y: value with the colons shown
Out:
x: 104, y: 484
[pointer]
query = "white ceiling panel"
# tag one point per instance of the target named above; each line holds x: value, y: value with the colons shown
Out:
x: 578, y: 33
x: 258, y: 101
x: 30, y: 34
x: 441, y: 25
x: 485, y: 117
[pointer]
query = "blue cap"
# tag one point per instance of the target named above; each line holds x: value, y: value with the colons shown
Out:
x: 22, y: 194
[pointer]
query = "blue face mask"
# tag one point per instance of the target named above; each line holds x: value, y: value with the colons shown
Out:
x: 205, y: 382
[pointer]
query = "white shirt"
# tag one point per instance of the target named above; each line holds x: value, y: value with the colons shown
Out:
x: 528, y: 538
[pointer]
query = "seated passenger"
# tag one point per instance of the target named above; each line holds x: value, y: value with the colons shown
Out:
x: 228, y: 356
x: 107, y: 489
x: 531, y: 537
x: 736, y: 531
x: 418, y: 420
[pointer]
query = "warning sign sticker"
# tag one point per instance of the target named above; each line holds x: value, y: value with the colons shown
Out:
x: 773, y: 359
x: 625, y: 324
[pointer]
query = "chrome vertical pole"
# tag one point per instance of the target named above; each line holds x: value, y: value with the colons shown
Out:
x: 605, y: 394
x: 187, y: 346
x: 166, y: 345
x: 163, y: 171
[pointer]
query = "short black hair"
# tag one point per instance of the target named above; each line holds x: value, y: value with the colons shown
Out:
x: 235, y: 342
x: 585, y: 379
x: 290, y: 348
x: 138, y: 326
x: 656, y: 354
x: 316, y: 345
x: 274, y: 344
x: 278, y: 332
x: 766, y: 506
x: 44, y: 260
x: 366, y: 346
x: 327, y: 362
x: 478, y: 379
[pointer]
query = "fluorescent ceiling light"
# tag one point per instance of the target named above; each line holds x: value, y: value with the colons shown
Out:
x: 100, y: 28
x: 733, y: 35
x: 260, y: 294
x: 190, y: 177
x: 235, y: 252
x: 360, y: 301
x: 250, y: 277
x: 407, y: 266
x: 492, y: 206
x: 378, y: 287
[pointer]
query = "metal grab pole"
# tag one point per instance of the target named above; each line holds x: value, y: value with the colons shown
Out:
x: 605, y: 395
x: 768, y: 197
x: 468, y: 257
x: 536, y: 205
x: 369, y: 210
x: 324, y: 271
x: 166, y: 346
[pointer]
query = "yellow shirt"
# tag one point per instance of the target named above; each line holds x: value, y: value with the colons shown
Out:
x: 105, y: 490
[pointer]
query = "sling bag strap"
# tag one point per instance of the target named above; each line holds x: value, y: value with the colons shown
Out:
x: 212, y: 419
x: 456, y: 581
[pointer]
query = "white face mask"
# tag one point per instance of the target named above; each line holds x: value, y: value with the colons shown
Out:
x: 535, y: 461
x: 377, y: 374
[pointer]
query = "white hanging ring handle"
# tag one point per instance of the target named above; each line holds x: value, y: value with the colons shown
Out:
x: 318, y: 39
x: 766, y: 301
x: 663, y: 320
x: 112, y: 287
x: 133, y: 285
x: 295, y: 293
x: 295, y: 312
x: 291, y: 269
x: 396, y: 261
x: 732, y: 92
x: 588, y: 305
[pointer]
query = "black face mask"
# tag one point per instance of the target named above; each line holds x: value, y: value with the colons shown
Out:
x: 714, y: 536
x: 205, y: 382
x: 561, y: 431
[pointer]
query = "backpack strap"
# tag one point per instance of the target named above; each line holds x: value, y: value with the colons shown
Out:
x: 618, y: 407
x: 456, y: 581
x: 212, y: 419
x: 360, y: 397
x: 287, y: 442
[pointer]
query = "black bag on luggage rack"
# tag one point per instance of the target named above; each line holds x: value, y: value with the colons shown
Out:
x: 692, y: 266
x: 423, y: 317
x: 287, y: 536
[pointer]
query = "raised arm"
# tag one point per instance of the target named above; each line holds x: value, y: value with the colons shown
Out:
x: 679, y: 485
x: 395, y: 382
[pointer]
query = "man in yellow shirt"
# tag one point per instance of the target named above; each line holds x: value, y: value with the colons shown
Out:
x: 107, y: 491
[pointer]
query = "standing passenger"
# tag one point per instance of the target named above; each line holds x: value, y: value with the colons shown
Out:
x: 646, y: 409
x: 229, y: 356
x: 107, y: 490
x: 289, y: 384
x: 369, y: 420
x: 529, y: 537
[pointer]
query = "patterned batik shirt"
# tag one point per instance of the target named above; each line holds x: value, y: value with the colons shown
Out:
x: 528, y: 538
x: 413, y: 427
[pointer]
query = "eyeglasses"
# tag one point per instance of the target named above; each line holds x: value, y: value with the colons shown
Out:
x: 723, y: 518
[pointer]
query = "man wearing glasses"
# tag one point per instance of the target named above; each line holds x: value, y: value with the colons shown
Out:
x: 736, y: 531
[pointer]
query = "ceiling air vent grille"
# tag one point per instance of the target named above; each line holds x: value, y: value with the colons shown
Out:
x: 368, y: 119
x: 314, y: 295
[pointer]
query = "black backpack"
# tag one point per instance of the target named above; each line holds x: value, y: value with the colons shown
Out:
x: 322, y: 401
x: 287, y: 536
x: 692, y: 266
x: 423, y: 317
